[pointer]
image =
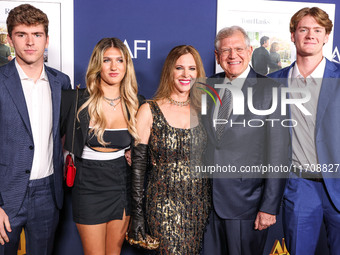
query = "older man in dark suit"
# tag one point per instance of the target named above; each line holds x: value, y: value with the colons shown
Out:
x: 245, y: 204
x: 30, y: 146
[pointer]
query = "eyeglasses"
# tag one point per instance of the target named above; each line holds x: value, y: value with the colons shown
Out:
x: 227, y: 51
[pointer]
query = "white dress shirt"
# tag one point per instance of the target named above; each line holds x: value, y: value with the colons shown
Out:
x: 39, y: 106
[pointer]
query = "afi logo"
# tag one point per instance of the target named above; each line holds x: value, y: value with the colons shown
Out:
x: 139, y: 45
x: 279, y: 249
x: 336, y: 55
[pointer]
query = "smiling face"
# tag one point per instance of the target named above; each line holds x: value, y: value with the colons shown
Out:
x: 29, y: 43
x: 233, y: 55
x: 184, y: 71
x: 309, y: 37
x: 113, y: 67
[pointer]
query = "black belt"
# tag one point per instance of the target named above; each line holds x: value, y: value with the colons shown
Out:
x: 316, y: 177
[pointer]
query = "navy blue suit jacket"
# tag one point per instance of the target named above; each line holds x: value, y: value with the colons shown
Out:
x: 327, y: 135
x: 241, y: 197
x: 16, y: 140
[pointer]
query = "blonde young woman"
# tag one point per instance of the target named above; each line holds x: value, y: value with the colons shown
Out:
x: 105, y: 129
x: 177, y: 203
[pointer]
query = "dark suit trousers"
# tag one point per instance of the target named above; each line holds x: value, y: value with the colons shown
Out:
x: 39, y: 217
x: 233, y: 237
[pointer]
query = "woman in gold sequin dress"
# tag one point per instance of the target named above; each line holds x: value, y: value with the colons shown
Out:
x: 177, y: 201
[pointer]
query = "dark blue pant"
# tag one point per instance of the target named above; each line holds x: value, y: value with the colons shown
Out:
x: 306, y: 204
x: 39, y: 217
x: 233, y: 237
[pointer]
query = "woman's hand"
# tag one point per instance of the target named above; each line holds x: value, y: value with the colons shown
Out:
x: 137, y: 225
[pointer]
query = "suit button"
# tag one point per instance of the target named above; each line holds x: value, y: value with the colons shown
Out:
x: 28, y: 171
x: 31, y: 147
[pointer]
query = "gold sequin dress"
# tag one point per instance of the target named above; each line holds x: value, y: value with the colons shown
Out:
x: 177, y: 202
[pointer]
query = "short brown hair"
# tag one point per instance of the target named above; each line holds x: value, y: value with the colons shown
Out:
x: 319, y: 15
x: 28, y: 15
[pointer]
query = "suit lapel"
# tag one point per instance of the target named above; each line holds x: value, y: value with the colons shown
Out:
x: 285, y: 75
x: 13, y: 84
x: 209, y: 119
x: 328, y: 86
x: 56, y: 98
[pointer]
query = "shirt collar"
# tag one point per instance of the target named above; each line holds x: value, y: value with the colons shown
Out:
x: 239, y: 81
x: 316, y: 74
x: 23, y: 76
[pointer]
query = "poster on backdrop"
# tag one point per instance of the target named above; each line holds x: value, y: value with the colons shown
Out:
x: 269, y: 18
x: 52, y: 55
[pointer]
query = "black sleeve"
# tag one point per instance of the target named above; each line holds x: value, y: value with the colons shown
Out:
x: 141, y: 100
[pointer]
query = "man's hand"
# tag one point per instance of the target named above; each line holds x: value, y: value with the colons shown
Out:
x: 4, y: 223
x: 264, y: 220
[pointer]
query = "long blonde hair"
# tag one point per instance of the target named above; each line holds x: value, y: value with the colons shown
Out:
x: 167, y: 85
x: 128, y: 89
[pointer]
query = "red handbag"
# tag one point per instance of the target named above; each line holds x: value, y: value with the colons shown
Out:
x: 70, y: 168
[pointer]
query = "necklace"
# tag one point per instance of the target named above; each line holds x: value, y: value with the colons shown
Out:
x: 111, y: 101
x: 179, y: 103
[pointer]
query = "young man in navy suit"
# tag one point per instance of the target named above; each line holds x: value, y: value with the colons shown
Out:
x: 245, y: 205
x: 30, y: 145
x: 312, y: 194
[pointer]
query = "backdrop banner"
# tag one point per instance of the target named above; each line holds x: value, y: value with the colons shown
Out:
x: 151, y: 28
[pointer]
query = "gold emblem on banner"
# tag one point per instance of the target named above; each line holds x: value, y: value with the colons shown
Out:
x: 22, y: 244
x: 279, y: 249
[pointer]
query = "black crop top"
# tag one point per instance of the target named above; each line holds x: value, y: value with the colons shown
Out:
x: 117, y: 139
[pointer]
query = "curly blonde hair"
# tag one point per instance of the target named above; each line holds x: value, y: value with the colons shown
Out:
x: 128, y: 89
